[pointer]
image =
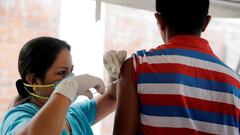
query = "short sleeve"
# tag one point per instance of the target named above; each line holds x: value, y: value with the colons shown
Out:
x: 137, y: 60
x: 87, y: 108
x: 9, y: 127
x: 15, y: 119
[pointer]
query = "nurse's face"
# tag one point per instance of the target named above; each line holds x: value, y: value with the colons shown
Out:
x: 57, y: 71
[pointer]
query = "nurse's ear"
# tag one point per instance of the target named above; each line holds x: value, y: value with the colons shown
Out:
x: 31, y: 79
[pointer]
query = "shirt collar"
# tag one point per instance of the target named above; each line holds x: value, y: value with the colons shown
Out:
x: 191, y: 41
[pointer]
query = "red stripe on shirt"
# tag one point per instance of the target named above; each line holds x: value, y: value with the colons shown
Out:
x: 190, y: 71
x: 169, y: 46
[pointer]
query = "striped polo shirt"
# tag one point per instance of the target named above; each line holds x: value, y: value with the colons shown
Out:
x: 184, y: 89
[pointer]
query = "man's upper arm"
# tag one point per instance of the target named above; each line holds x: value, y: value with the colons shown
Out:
x: 127, y: 113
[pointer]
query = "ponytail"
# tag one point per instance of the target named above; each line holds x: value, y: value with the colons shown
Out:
x: 23, y: 95
x: 21, y: 89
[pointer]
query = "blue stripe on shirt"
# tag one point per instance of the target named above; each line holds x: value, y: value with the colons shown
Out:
x: 183, y: 52
x: 176, y: 111
x: 188, y: 81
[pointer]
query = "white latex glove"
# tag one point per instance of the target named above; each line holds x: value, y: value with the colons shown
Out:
x: 113, y: 61
x: 80, y: 85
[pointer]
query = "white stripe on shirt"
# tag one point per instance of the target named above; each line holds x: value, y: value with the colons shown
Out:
x: 193, y: 62
x: 178, y: 122
x: 180, y: 89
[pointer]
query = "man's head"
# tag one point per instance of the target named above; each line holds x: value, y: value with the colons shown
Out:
x: 183, y: 16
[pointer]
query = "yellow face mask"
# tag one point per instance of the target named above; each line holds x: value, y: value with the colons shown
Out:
x: 38, y: 86
x: 44, y: 86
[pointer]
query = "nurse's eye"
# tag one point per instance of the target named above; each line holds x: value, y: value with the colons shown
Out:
x: 61, y: 73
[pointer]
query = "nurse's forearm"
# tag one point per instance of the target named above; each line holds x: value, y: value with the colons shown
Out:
x: 50, y: 118
x: 106, y: 104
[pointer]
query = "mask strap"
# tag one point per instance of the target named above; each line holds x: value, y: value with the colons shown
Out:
x: 35, y: 95
x: 39, y: 86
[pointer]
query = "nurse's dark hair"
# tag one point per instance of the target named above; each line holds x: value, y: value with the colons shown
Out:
x: 183, y: 16
x: 36, y: 57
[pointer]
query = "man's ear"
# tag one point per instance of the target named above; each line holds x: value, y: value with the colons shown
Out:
x: 161, y: 22
x: 206, y: 22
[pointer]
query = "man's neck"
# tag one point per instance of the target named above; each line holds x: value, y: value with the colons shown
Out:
x: 172, y: 34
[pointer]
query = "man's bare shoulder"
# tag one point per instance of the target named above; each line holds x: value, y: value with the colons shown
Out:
x: 127, y: 69
x: 127, y: 79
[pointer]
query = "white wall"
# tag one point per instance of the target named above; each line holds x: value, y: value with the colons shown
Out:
x: 79, y: 29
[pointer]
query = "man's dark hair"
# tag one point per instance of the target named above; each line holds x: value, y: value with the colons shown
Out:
x: 183, y: 16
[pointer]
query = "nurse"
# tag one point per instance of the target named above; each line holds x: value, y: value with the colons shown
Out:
x: 47, y: 90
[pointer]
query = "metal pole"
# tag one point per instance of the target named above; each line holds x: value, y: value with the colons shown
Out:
x: 98, y: 10
x: 238, y: 67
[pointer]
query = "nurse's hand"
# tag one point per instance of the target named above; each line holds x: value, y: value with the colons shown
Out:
x: 113, y: 61
x: 80, y: 85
